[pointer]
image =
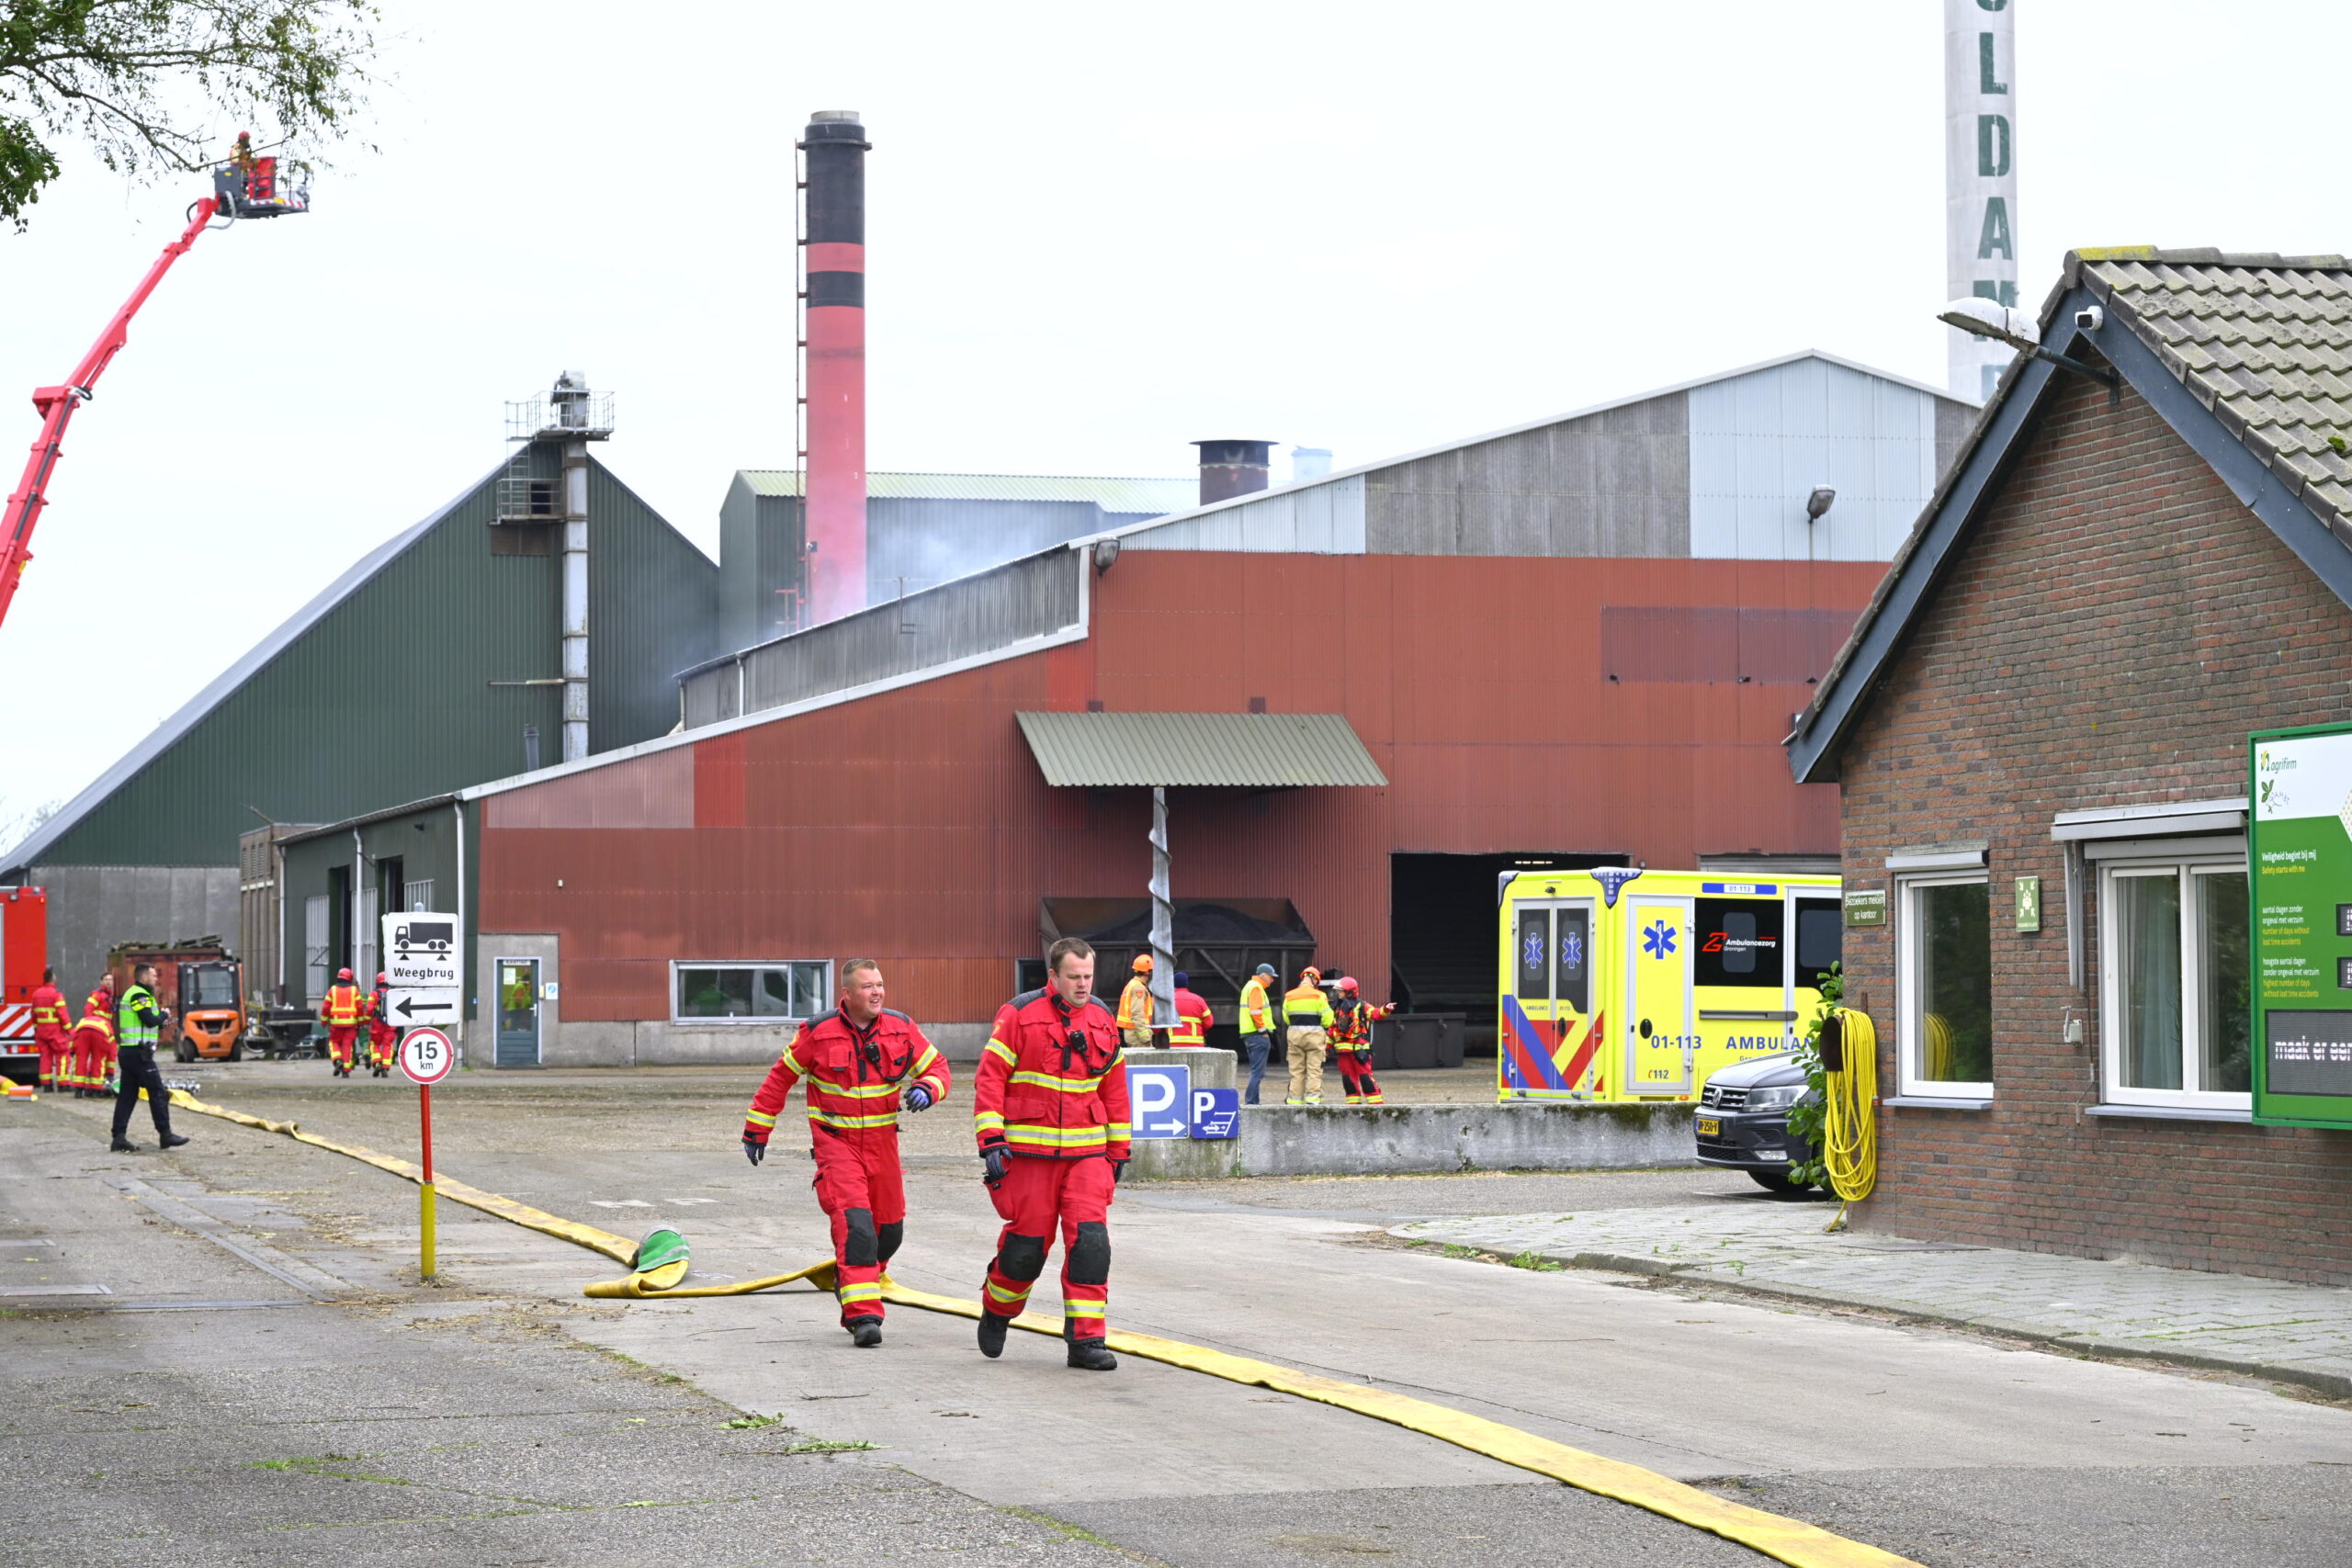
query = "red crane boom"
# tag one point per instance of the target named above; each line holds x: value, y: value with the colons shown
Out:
x: 57, y: 405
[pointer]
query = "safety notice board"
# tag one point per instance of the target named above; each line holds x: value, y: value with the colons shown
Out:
x: 2300, y: 862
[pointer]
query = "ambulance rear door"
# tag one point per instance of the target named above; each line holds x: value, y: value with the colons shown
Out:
x: 1549, y: 1046
x: 1657, y: 1030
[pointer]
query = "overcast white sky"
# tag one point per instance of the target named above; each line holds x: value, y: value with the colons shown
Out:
x: 1095, y: 234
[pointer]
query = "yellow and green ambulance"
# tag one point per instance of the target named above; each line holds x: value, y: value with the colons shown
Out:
x: 1619, y: 983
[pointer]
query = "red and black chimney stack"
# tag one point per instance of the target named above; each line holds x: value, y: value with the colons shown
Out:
x: 833, y: 350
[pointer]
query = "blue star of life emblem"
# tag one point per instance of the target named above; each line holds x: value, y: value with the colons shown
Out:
x: 1571, y: 950
x: 1658, y: 939
x: 1533, y: 956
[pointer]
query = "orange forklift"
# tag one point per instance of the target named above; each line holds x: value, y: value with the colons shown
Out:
x: 202, y: 983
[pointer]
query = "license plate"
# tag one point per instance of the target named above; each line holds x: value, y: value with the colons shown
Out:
x: 1710, y: 1127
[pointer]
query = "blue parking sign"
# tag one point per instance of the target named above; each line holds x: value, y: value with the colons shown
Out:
x: 1217, y: 1113
x: 1160, y: 1101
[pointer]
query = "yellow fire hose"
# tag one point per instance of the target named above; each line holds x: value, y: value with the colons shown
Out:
x: 1789, y: 1540
x: 1849, y: 1119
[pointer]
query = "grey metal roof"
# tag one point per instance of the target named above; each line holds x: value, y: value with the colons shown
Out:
x: 2247, y: 357
x: 1232, y: 750
x: 157, y: 740
x: 1122, y: 495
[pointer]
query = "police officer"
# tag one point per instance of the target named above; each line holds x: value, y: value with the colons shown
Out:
x: 139, y: 1025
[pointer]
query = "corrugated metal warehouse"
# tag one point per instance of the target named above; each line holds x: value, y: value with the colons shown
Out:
x: 1578, y: 640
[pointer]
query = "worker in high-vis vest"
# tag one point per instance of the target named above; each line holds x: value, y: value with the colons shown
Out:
x: 139, y: 1021
x: 1134, y: 1006
x: 1307, y: 1012
x: 52, y: 1029
x: 87, y: 1070
x: 383, y: 1039
x: 341, y: 1012
x: 1192, y: 1018
x: 1255, y: 1019
x: 1351, y: 1021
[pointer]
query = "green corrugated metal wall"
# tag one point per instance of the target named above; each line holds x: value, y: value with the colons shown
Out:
x: 386, y: 699
x: 425, y: 840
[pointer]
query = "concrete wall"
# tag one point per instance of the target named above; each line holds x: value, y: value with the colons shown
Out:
x: 91, y: 907
x: 1385, y: 1140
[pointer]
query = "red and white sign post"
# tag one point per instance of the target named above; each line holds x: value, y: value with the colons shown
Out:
x: 426, y: 1057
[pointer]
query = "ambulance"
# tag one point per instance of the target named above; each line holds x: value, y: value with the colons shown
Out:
x: 1624, y: 984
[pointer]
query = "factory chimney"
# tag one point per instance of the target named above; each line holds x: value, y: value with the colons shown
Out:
x: 1980, y: 179
x: 832, y: 345
x: 1232, y: 468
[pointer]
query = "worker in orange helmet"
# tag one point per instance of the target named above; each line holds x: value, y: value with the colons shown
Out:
x: 1307, y: 1012
x: 381, y: 1036
x: 92, y: 1042
x: 52, y: 1029
x: 863, y: 1062
x: 1050, y: 1111
x: 341, y: 1012
x: 1135, y: 1006
x: 241, y: 156
x: 1351, y: 1021
x: 1192, y: 1017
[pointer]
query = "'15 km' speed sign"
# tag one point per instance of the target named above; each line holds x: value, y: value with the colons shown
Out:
x: 426, y: 1056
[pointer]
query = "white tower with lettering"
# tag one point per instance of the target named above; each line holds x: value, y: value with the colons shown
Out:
x: 1980, y: 178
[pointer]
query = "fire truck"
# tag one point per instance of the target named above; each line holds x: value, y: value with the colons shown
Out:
x: 1623, y: 983
x: 24, y: 950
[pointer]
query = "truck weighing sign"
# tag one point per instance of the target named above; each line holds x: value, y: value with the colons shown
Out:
x: 421, y: 951
x: 2299, y: 864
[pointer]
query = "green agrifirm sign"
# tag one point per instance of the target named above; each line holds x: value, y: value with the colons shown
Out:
x: 2299, y: 855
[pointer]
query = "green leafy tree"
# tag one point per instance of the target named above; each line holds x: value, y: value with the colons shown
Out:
x: 157, y: 85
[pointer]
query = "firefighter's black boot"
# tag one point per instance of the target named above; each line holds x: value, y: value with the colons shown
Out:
x: 865, y: 1332
x: 992, y: 1329
x: 1089, y: 1355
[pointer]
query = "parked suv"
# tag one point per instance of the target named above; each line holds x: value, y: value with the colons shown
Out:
x: 1742, y: 1122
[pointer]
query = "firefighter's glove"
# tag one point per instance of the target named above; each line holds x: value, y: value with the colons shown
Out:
x: 998, y: 1162
x: 1119, y: 1169
x: 918, y: 1097
x: 754, y: 1150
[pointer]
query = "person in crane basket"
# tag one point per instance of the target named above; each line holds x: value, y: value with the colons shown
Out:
x: 863, y: 1062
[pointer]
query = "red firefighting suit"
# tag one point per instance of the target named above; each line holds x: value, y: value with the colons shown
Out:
x: 856, y: 1078
x: 1052, y: 1093
x: 341, y: 1010
x: 53, y: 1031
x: 1351, y: 1022
x: 93, y: 1044
x: 381, y: 1036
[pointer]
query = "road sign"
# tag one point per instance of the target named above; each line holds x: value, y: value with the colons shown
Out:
x: 405, y: 1008
x: 426, y: 1056
x: 1217, y: 1113
x: 1160, y: 1101
x: 421, y: 950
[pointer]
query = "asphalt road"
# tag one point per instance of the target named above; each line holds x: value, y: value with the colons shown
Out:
x: 1949, y: 1449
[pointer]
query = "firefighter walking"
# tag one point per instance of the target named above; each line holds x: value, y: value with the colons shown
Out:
x: 52, y: 1030
x: 1307, y: 1012
x: 1050, y: 1111
x: 139, y: 1021
x: 383, y: 1039
x: 86, y: 1069
x: 1351, y: 1021
x: 341, y: 1012
x: 863, y: 1062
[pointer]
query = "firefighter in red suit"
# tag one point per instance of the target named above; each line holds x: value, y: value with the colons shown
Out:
x: 94, y: 1043
x: 52, y: 1030
x: 345, y: 1006
x: 1050, y: 1107
x: 381, y: 1036
x: 863, y: 1062
x: 1351, y: 1022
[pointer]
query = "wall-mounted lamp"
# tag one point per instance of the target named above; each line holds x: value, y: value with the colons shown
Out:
x: 1106, y: 552
x: 1818, y: 504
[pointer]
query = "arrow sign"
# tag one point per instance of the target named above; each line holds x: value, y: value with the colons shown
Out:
x: 412, y: 1007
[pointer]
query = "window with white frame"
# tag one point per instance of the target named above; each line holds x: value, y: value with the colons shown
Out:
x: 2176, y: 1024
x: 1944, y: 939
x: 750, y: 993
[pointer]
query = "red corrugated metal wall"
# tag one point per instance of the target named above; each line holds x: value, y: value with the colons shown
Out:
x: 913, y: 825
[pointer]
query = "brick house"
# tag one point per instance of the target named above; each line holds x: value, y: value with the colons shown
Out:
x: 2117, y: 581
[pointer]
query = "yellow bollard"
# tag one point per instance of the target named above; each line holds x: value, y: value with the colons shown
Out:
x: 425, y: 1203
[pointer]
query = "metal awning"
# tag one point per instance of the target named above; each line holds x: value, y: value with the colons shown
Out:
x: 1226, y: 751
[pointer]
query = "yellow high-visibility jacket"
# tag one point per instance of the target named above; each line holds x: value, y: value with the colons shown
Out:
x: 1257, y: 1012
x: 1305, y: 1006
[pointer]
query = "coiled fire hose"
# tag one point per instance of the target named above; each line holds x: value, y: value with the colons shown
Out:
x: 1849, y: 1112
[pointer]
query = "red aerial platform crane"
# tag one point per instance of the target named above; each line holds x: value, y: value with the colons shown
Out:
x: 249, y: 187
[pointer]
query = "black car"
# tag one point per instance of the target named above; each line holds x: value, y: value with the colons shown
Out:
x: 1742, y: 1122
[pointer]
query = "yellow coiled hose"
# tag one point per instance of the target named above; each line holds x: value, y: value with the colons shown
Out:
x: 1849, y: 1119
